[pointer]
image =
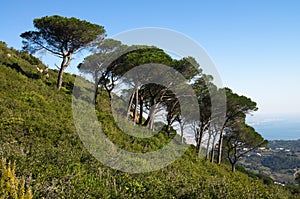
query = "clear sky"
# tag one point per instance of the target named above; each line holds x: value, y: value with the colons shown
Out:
x: 255, y: 44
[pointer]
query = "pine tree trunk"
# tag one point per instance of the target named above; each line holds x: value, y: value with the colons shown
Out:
x: 147, y: 121
x: 212, y: 157
x: 220, y: 147
x: 168, y: 129
x: 152, y: 116
x: 64, y: 64
x: 181, y: 131
x: 129, y: 105
x: 141, y: 111
x: 207, y: 147
x: 95, y: 92
x: 60, y: 77
x: 135, y: 113
x: 96, y: 88
x: 233, y: 167
x: 199, y: 142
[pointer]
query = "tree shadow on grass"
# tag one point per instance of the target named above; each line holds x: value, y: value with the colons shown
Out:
x: 16, y: 67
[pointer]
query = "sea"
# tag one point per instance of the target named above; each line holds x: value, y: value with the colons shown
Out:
x: 276, y: 126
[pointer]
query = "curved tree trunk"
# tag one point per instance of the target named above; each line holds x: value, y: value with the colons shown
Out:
x: 64, y: 64
x: 60, y: 77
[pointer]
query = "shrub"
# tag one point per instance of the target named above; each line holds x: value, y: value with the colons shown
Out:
x: 11, y: 186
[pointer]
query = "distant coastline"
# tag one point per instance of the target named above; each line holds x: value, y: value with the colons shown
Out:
x: 282, y: 127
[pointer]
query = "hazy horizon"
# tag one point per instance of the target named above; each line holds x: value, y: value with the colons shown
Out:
x: 276, y: 126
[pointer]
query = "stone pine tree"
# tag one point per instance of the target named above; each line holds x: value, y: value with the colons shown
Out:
x: 62, y: 37
x: 237, y: 108
x: 240, y: 139
x: 100, y: 65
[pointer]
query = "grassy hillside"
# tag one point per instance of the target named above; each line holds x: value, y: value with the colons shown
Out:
x: 37, y: 132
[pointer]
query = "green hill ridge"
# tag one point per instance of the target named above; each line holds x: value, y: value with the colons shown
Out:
x: 37, y: 132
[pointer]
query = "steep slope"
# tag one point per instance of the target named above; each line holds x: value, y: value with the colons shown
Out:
x: 37, y: 132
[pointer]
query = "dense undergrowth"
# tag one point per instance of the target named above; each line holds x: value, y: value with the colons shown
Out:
x: 37, y: 133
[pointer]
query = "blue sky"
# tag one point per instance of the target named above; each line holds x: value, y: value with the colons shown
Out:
x: 255, y: 45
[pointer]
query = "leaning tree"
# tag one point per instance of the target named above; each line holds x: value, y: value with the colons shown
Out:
x: 240, y: 139
x: 62, y: 37
x: 100, y: 65
x: 238, y: 106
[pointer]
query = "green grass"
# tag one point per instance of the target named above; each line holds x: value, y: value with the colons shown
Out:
x: 37, y: 131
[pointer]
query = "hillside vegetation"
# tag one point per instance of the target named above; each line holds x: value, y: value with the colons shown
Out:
x: 37, y: 133
x: 281, y: 160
